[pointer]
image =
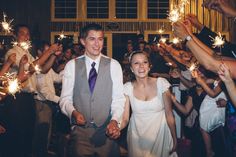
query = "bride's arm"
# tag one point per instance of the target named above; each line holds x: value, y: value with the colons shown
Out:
x: 170, y: 117
x: 125, y: 118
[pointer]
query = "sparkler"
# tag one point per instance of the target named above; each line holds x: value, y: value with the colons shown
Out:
x: 24, y: 45
x: 218, y: 41
x: 174, y: 15
x: 182, y: 5
x: 61, y: 36
x: 6, y: 25
x: 175, y: 40
x: 193, y: 67
x: 163, y: 40
x: 178, y: 11
x: 37, y: 69
x: 161, y: 30
x: 11, y: 84
x: 169, y: 64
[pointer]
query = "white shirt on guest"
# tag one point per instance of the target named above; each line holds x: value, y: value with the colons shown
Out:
x: 30, y: 84
x: 45, y: 86
x: 118, y: 98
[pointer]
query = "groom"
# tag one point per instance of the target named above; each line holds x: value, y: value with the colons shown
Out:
x: 92, y: 96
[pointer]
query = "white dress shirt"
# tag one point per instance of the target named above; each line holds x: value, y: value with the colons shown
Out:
x: 118, y: 98
x: 45, y: 86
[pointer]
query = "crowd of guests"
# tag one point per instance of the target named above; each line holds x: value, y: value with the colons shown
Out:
x: 93, y: 97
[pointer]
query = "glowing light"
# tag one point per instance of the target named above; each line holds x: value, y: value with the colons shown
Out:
x: 175, y: 40
x: 11, y: 84
x: 169, y: 64
x: 174, y: 15
x: 218, y: 41
x: 61, y: 36
x: 163, y: 40
x: 37, y: 69
x: 193, y: 67
x: 6, y: 25
x: 161, y: 30
x: 184, y: 2
x: 24, y: 45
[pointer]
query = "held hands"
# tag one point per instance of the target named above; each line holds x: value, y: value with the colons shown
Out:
x: 113, y: 130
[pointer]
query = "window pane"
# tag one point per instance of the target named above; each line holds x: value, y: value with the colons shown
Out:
x: 158, y: 9
x: 97, y: 8
x: 65, y: 8
x: 126, y: 9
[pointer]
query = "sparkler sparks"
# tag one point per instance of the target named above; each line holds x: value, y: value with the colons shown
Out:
x: 193, y: 67
x: 11, y: 84
x: 175, y: 40
x: 37, y: 69
x: 218, y: 41
x: 177, y: 13
x: 24, y: 45
x: 169, y: 64
x: 61, y: 36
x: 161, y: 30
x: 163, y: 40
x: 174, y: 15
x: 6, y: 25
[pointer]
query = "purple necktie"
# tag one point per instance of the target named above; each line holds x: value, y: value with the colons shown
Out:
x: 92, y: 77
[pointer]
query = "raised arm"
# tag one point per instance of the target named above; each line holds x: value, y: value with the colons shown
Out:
x: 224, y: 75
x: 203, y: 57
x: 222, y: 6
x: 47, y: 59
x: 10, y: 60
x: 211, y: 92
x: 184, y: 109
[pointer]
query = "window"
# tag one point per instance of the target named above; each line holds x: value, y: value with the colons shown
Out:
x: 97, y: 8
x: 126, y: 9
x: 65, y: 8
x: 158, y: 9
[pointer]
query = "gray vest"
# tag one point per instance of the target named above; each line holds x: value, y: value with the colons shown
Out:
x: 95, y: 107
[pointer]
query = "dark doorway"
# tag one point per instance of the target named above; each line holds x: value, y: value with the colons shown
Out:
x: 119, y: 42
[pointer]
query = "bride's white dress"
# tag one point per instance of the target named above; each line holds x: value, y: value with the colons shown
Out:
x: 148, y: 131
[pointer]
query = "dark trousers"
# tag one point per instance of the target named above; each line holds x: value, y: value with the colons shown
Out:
x: 90, y: 142
x: 18, y: 117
